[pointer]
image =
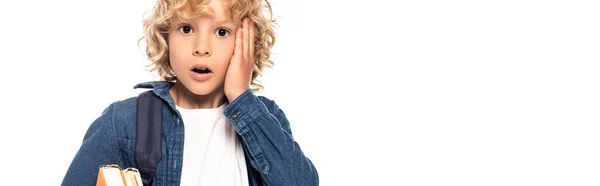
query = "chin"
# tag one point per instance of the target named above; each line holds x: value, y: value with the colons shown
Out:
x: 202, y: 91
x: 203, y: 88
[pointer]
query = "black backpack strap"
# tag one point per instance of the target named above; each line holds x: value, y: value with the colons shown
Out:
x: 148, y: 143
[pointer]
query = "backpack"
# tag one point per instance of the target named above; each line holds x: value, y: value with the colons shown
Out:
x: 148, y: 141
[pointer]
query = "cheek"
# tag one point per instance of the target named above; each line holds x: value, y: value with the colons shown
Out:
x: 225, y: 49
x: 230, y: 46
x: 223, y: 55
x: 176, y: 50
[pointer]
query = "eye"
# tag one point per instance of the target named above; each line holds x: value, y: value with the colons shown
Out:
x: 186, y: 29
x: 222, y: 32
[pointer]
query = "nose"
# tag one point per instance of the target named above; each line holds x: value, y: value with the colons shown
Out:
x: 201, y: 53
x: 203, y: 48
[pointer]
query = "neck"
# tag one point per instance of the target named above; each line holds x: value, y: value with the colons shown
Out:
x: 184, y: 98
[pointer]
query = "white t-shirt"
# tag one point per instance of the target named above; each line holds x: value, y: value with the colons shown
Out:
x: 212, y: 152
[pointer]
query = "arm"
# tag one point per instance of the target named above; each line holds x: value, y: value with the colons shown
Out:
x: 266, y: 133
x: 98, y: 147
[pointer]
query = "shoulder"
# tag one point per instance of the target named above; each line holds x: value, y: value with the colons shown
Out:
x: 113, y: 121
x: 120, y: 109
x: 125, y: 108
x: 122, y: 116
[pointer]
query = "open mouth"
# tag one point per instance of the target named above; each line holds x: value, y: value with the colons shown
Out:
x: 201, y: 70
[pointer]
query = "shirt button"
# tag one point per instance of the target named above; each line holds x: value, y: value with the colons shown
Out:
x: 234, y: 115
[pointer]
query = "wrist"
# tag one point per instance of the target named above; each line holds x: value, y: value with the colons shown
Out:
x: 234, y: 94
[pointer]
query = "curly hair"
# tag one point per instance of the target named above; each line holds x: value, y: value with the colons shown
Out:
x: 156, y: 28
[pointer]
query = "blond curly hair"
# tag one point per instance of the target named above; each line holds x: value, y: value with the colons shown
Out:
x: 156, y: 28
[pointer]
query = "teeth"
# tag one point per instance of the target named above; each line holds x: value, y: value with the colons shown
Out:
x: 201, y: 70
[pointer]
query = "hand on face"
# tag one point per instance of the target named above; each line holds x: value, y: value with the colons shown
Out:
x: 239, y: 72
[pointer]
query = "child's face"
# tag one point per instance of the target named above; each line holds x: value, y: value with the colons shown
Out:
x: 203, y: 42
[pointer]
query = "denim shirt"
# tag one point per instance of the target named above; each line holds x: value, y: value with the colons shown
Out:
x: 272, y: 155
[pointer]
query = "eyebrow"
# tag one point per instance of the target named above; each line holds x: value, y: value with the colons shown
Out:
x: 221, y: 21
x: 218, y: 21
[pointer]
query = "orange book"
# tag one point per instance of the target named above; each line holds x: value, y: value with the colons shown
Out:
x: 114, y: 175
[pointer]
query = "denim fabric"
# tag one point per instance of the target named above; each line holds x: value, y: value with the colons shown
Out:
x: 272, y: 155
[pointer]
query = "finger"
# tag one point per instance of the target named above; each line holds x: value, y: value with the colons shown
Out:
x: 252, y: 44
x: 238, y: 51
x: 245, y: 38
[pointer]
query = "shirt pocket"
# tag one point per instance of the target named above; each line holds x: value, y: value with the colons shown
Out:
x: 127, y: 151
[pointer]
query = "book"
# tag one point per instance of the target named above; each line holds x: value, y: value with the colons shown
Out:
x: 114, y: 175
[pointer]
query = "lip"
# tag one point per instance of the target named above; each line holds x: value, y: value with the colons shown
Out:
x: 198, y: 76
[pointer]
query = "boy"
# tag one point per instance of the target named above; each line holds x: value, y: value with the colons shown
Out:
x: 215, y: 130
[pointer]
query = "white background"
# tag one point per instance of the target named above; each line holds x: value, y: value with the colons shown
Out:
x: 377, y: 92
